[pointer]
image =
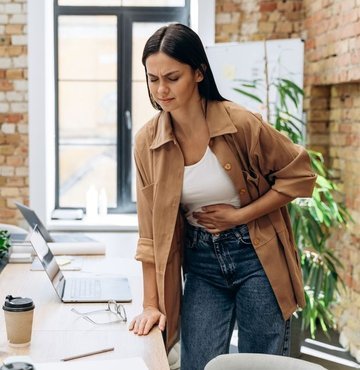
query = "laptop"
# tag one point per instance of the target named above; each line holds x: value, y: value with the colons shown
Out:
x: 32, y: 219
x: 83, y: 289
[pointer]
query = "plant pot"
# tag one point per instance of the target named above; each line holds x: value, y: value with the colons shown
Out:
x: 4, y: 259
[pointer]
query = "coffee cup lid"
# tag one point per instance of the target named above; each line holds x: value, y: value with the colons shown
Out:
x: 18, y: 304
x: 17, y: 366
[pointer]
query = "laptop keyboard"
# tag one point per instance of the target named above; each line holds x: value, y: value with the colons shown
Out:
x: 84, y: 288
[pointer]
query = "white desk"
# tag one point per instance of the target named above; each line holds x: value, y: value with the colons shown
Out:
x: 59, y: 333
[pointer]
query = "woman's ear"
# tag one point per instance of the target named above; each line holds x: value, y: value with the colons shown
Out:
x: 199, y: 75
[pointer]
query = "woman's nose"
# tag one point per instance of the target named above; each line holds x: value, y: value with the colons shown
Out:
x: 163, y: 88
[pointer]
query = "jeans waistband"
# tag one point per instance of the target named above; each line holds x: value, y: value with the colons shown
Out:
x: 196, y: 233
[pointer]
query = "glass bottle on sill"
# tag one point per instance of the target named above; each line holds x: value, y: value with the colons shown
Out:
x: 103, y: 202
x: 91, y: 202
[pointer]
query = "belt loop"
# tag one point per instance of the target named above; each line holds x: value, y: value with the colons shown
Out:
x: 196, y: 236
x: 193, y: 235
x: 237, y: 232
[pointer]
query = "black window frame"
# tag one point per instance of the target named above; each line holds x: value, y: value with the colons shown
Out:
x: 126, y: 16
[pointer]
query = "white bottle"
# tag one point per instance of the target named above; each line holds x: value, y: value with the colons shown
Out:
x: 103, y: 202
x: 91, y: 202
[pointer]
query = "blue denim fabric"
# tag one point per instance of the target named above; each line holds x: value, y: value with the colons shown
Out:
x: 224, y: 282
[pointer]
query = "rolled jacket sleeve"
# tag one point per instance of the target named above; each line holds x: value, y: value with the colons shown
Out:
x: 285, y: 165
x: 145, y: 250
x: 144, y: 193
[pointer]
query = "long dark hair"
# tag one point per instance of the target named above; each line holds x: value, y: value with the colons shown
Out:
x: 183, y: 44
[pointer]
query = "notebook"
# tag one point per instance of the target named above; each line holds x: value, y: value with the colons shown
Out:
x: 32, y: 219
x: 84, y: 289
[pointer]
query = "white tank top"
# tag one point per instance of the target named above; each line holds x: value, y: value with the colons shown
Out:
x: 205, y: 183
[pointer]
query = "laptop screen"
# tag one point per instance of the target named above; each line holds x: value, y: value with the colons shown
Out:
x: 48, y: 261
x: 33, y: 220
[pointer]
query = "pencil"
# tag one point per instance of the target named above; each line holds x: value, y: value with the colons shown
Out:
x: 88, y: 354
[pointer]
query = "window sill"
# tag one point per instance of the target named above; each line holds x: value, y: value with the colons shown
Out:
x: 111, y: 222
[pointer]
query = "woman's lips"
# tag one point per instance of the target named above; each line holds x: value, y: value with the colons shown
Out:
x: 167, y: 100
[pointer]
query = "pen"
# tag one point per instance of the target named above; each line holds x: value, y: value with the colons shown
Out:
x: 88, y: 354
x: 64, y: 263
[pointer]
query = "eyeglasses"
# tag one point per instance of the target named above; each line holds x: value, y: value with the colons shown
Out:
x: 113, y: 308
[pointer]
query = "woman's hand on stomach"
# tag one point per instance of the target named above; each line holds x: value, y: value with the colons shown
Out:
x: 218, y: 217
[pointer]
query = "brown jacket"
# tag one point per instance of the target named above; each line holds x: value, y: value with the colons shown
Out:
x: 257, y: 158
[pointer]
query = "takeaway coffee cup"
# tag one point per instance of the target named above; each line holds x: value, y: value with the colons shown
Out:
x: 17, y: 363
x: 18, y: 319
x: 17, y: 366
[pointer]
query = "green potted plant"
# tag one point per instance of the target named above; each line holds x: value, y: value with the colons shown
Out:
x: 4, y: 245
x: 312, y: 219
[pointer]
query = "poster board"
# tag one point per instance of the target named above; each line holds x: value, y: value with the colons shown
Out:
x: 231, y: 62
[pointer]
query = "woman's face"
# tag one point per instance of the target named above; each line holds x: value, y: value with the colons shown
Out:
x: 173, y: 85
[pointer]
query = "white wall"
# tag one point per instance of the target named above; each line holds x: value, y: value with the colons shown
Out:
x: 41, y: 106
x: 202, y: 19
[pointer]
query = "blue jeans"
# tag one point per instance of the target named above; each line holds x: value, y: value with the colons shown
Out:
x: 224, y: 282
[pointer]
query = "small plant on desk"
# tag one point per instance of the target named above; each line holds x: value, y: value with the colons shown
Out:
x: 4, y: 243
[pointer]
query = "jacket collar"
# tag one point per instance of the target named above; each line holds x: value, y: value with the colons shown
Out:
x: 217, y: 117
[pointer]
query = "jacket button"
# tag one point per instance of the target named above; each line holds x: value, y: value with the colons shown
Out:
x: 242, y: 191
x: 227, y: 166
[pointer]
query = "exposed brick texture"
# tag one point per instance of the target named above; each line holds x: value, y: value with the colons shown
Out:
x: 332, y: 61
x: 247, y: 20
x: 13, y: 110
x: 332, y: 43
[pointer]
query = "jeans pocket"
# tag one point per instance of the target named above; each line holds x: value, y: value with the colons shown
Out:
x: 242, y: 233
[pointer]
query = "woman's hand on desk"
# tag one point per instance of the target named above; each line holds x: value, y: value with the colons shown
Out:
x: 143, y: 323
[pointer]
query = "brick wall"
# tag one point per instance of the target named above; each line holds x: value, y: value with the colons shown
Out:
x: 332, y: 61
x: 13, y: 109
x: 344, y: 158
x: 331, y: 29
x: 332, y: 41
x: 250, y: 20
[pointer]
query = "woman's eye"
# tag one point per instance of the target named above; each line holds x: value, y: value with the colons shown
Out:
x: 153, y: 79
x: 173, y: 78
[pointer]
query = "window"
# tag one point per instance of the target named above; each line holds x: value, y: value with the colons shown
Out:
x: 100, y: 93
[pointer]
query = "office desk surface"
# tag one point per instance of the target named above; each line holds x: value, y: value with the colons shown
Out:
x: 58, y: 332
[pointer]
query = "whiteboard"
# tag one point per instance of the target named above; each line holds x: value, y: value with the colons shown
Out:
x: 245, y: 61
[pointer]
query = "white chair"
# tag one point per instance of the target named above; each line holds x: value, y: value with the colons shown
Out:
x: 257, y: 361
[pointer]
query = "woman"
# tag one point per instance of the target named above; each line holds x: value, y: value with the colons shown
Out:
x: 213, y: 182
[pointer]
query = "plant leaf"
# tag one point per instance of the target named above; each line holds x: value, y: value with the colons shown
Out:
x: 252, y: 96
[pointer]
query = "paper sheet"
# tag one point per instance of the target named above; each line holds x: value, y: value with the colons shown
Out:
x: 77, y: 248
x: 123, y: 364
